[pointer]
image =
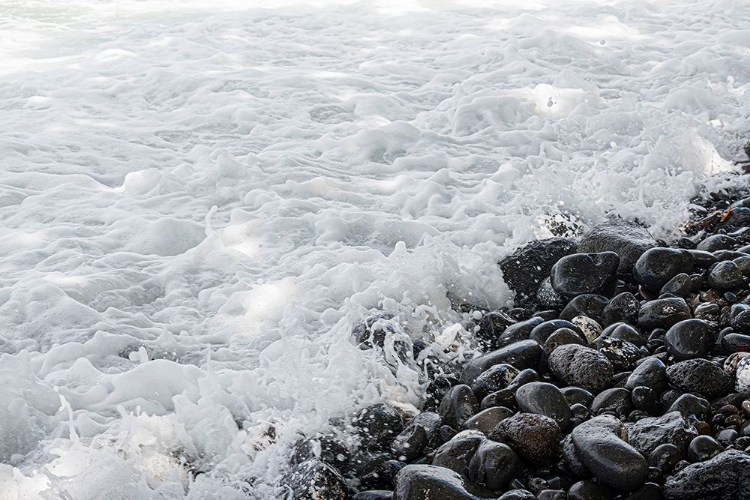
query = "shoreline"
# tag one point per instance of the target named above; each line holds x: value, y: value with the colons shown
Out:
x: 620, y: 372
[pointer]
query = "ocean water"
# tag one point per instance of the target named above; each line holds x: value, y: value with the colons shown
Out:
x: 199, y: 200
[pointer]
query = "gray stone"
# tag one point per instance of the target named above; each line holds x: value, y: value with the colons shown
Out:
x: 581, y: 366
x: 600, y: 442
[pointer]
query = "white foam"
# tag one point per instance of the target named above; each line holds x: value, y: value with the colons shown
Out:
x: 198, y: 200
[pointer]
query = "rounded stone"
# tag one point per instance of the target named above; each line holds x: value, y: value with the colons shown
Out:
x: 313, y: 479
x: 544, y: 399
x: 622, y: 308
x: 725, y: 276
x: 681, y: 286
x: 645, y: 399
x: 456, y: 454
x: 458, y: 405
x: 486, y: 420
x: 561, y: 337
x: 691, y: 406
x: 601, y: 446
x: 589, y: 490
x: 624, y: 331
x: 591, y: 305
x: 615, y: 401
x: 417, y: 482
x: 691, y: 338
x: 496, y: 378
x: 655, y: 267
x: 703, y: 448
x: 581, y: 366
x: 541, y: 332
x: 494, y: 465
x: 651, y: 372
x: 535, y: 437
x: 663, y: 313
x: 415, y: 437
x: 581, y: 273
x: 377, y: 425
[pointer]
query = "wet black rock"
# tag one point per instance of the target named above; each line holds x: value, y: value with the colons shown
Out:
x: 691, y: 406
x: 542, y: 331
x: 645, y: 399
x: 657, y: 266
x: 525, y: 268
x: 623, y: 307
x: 701, y: 259
x: 374, y: 495
x: 523, y: 354
x: 551, y: 495
x: 377, y: 425
x: 561, y: 337
x: 581, y: 273
x: 544, y: 399
x: 496, y: 378
x: 577, y: 395
x: 518, y: 331
x: 600, y: 444
x: 418, y: 482
x: 591, y: 305
x: 724, y: 477
x: 535, y: 437
x: 689, y: 339
x: 486, y: 420
x: 589, y: 490
x: 376, y: 471
x: 621, y: 353
x: 518, y: 495
x: 491, y: 327
x: 703, y: 448
x: 651, y: 372
x: 615, y: 401
x: 681, y: 286
x: 422, y: 430
x: 494, y: 465
x: 627, y: 239
x: 717, y: 242
x: 663, y: 313
x: 581, y: 366
x: 649, y: 491
x: 325, y: 448
x: 624, y: 331
x: 647, y: 434
x: 458, y: 405
x: 735, y: 342
x: 314, y: 479
x: 725, y: 276
x: 458, y: 452
x: 701, y: 376
x: 548, y: 297
x: 665, y: 457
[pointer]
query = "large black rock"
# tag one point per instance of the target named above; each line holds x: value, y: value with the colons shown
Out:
x: 600, y: 443
x: 724, y: 477
x: 525, y: 268
x: 417, y: 482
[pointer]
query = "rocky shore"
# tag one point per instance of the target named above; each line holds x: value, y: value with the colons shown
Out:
x: 622, y: 372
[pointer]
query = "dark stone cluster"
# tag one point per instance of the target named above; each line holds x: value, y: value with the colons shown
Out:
x: 623, y: 373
